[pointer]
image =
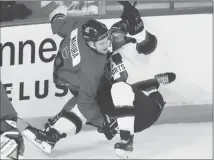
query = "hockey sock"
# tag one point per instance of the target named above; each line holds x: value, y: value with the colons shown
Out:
x: 126, y: 123
x: 70, y: 122
x: 123, y: 98
x: 63, y: 125
x: 125, y: 118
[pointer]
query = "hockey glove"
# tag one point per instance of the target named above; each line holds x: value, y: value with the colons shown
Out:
x: 57, y: 19
x: 12, y: 142
x: 109, y: 127
x: 132, y: 15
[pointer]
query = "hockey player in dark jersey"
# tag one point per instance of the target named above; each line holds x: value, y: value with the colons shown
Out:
x: 12, y: 143
x: 79, y: 65
x: 59, y: 121
x: 147, y: 108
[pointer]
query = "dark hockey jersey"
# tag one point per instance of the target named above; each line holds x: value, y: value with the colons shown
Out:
x: 78, y: 66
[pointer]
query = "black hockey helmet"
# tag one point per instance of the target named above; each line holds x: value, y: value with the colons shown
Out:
x: 94, y: 30
x: 121, y: 26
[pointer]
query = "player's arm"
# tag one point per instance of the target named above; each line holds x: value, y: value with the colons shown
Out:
x: 63, y: 21
x: 146, y: 42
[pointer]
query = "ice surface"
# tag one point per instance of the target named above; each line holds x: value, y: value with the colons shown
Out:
x: 166, y: 141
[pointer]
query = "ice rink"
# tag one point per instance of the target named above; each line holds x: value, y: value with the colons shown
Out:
x: 164, y: 141
x: 184, y: 130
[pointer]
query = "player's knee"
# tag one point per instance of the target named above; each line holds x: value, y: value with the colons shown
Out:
x: 122, y: 94
x: 158, y: 98
x: 77, y: 112
x: 70, y: 121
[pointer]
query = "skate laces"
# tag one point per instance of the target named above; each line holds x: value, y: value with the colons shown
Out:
x: 51, y: 122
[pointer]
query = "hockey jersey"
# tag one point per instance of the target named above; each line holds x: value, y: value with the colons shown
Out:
x: 127, y: 64
x: 77, y: 66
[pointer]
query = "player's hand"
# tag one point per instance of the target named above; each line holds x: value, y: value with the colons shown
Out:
x: 12, y: 145
x: 132, y: 15
x: 129, y: 11
x: 109, y: 127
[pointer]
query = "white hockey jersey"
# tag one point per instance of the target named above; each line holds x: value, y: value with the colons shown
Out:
x: 126, y: 64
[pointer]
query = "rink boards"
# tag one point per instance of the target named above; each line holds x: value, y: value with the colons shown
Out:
x: 185, y: 47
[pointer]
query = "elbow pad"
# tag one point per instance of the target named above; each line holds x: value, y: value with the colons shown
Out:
x: 148, y: 45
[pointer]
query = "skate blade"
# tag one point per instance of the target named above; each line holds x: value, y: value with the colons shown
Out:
x: 123, y: 154
x: 31, y: 137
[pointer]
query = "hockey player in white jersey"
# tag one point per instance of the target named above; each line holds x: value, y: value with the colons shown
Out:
x: 132, y: 51
x: 137, y: 103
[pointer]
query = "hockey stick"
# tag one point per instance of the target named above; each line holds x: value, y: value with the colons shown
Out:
x: 96, y: 126
x: 135, y: 3
x: 87, y: 123
x: 90, y: 124
x: 24, y: 121
x: 127, y: 3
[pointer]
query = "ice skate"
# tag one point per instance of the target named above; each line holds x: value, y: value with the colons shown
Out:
x: 43, y: 140
x: 165, y: 78
x: 124, y: 148
x: 52, y: 121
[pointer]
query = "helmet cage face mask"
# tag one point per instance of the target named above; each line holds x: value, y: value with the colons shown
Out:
x: 118, y: 34
x: 120, y: 27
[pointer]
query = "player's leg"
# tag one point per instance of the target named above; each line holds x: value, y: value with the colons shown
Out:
x: 68, y: 120
x: 67, y: 107
x: 149, y: 105
x: 146, y: 85
x: 123, y: 98
x: 159, y: 79
x: 12, y: 143
x: 147, y: 109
